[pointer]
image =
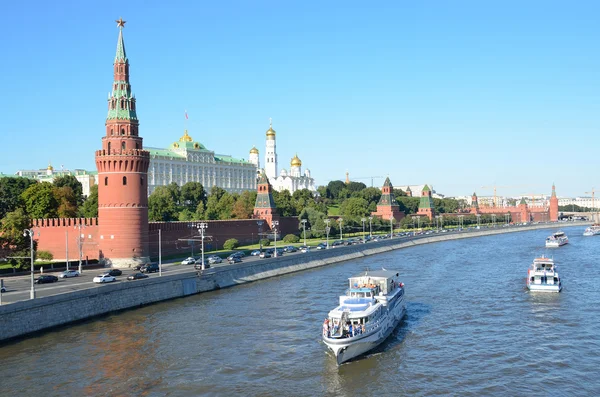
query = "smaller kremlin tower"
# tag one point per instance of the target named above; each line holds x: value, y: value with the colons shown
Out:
x: 426, y: 207
x: 264, y: 208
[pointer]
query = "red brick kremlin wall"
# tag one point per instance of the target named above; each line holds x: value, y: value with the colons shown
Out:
x: 53, y: 234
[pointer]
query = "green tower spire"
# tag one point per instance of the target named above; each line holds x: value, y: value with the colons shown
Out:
x: 426, y: 199
x: 121, y: 102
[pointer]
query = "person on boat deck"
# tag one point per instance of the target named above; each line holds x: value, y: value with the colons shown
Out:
x: 350, y: 330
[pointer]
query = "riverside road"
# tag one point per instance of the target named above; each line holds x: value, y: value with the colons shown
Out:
x: 18, y: 287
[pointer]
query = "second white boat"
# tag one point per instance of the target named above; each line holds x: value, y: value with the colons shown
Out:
x: 556, y: 240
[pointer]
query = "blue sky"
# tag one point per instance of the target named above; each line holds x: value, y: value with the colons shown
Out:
x: 459, y: 94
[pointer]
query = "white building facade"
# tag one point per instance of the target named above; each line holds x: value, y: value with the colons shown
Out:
x: 86, y: 178
x: 291, y: 180
x: 189, y: 161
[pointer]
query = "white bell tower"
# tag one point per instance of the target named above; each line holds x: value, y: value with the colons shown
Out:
x: 271, y: 153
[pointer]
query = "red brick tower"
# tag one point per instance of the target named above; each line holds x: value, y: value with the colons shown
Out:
x: 426, y: 207
x: 122, y: 174
x: 265, y: 205
x: 474, y: 204
x: 388, y: 206
x: 524, y: 211
x: 553, y: 205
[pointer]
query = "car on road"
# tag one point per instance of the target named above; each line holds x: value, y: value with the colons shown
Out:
x: 255, y: 253
x: 265, y: 254
x: 104, y: 278
x: 234, y: 259
x: 114, y: 272
x: 137, y: 276
x: 149, y: 268
x: 214, y: 259
x: 234, y: 255
x: 290, y: 248
x: 46, y: 278
x: 2, y: 289
x: 69, y: 273
x: 322, y: 246
x: 188, y: 261
x: 241, y: 254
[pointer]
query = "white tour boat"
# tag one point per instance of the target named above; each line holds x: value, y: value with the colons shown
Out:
x: 592, y: 230
x: 556, y: 240
x: 368, y: 313
x: 542, y: 276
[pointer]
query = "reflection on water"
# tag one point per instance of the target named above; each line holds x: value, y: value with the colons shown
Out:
x: 471, y: 328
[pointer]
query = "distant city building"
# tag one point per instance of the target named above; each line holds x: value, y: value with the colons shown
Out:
x: 291, y: 181
x: 589, y: 202
x: 189, y: 161
x: 410, y: 189
x: 86, y: 178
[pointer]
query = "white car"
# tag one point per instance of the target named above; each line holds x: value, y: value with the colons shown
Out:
x: 104, y: 278
x: 304, y: 249
x: 214, y: 259
x: 188, y: 261
x: 69, y: 273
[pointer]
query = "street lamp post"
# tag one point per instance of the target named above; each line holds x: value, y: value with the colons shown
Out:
x: 327, y: 229
x: 304, y: 229
x: 67, y: 248
x: 363, y: 220
x: 260, y: 223
x: 31, y: 234
x: 340, y: 220
x: 391, y: 226
x: 202, y: 226
x: 275, y: 224
x: 370, y: 228
x: 159, y: 254
x: 494, y: 220
x: 414, y: 218
x: 442, y: 222
x: 478, y: 220
x: 80, y: 245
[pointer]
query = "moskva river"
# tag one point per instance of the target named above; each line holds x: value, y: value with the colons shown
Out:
x: 471, y: 329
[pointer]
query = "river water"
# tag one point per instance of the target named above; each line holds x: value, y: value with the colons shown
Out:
x: 471, y: 329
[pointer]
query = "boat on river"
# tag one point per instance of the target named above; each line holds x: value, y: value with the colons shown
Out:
x: 368, y: 313
x: 592, y: 230
x: 543, y: 276
x: 556, y: 240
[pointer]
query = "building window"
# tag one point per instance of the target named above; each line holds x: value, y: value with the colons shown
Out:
x: 105, y: 181
x: 122, y: 131
x: 142, y: 181
x: 112, y: 132
x: 108, y: 147
x: 124, y: 180
x: 123, y: 145
x: 137, y: 145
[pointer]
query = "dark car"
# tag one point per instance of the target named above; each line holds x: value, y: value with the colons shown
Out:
x: 234, y: 255
x: 46, y: 278
x: 198, y: 265
x: 115, y: 272
x: 137, y: 276
x: 234, y: 259
x: 149, y: 268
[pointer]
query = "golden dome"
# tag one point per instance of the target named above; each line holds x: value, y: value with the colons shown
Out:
x: 270, y: 133
x: 254, y: 150
x: 50, y: 168
x: 185, y: 137
x: 296, y: 162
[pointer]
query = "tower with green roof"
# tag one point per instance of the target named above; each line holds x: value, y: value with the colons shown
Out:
x: 426, y: 207
x: 122, y: 173
x: 388, y: 207
x: 474, y: 204
x: 265, y: 208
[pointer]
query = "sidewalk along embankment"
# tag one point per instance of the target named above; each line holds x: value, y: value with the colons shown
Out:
x: 30, y: 316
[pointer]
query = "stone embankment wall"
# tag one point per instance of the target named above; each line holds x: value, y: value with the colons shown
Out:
x: 29, y: 316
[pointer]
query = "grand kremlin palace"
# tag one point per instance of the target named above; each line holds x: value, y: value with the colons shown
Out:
x: 189, y: 161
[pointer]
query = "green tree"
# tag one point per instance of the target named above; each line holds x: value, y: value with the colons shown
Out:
x: 284, y: 203
x: 334, y: 188
x: 89, y: 208
x: 40, y: 201
x: 303, y: 198
x: 73, y: 183
x: 231, y: 244
x: 354, y: 207
x: 192, y: 194
x: 11, y: 189
x: 244, y: 205
x: 161, y: 206
x: 399, y: 193
x: 291, y: 238
x: 355, y: 187
x: 67, y: 202
x: 12, y: 240
x: 371, y: 194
